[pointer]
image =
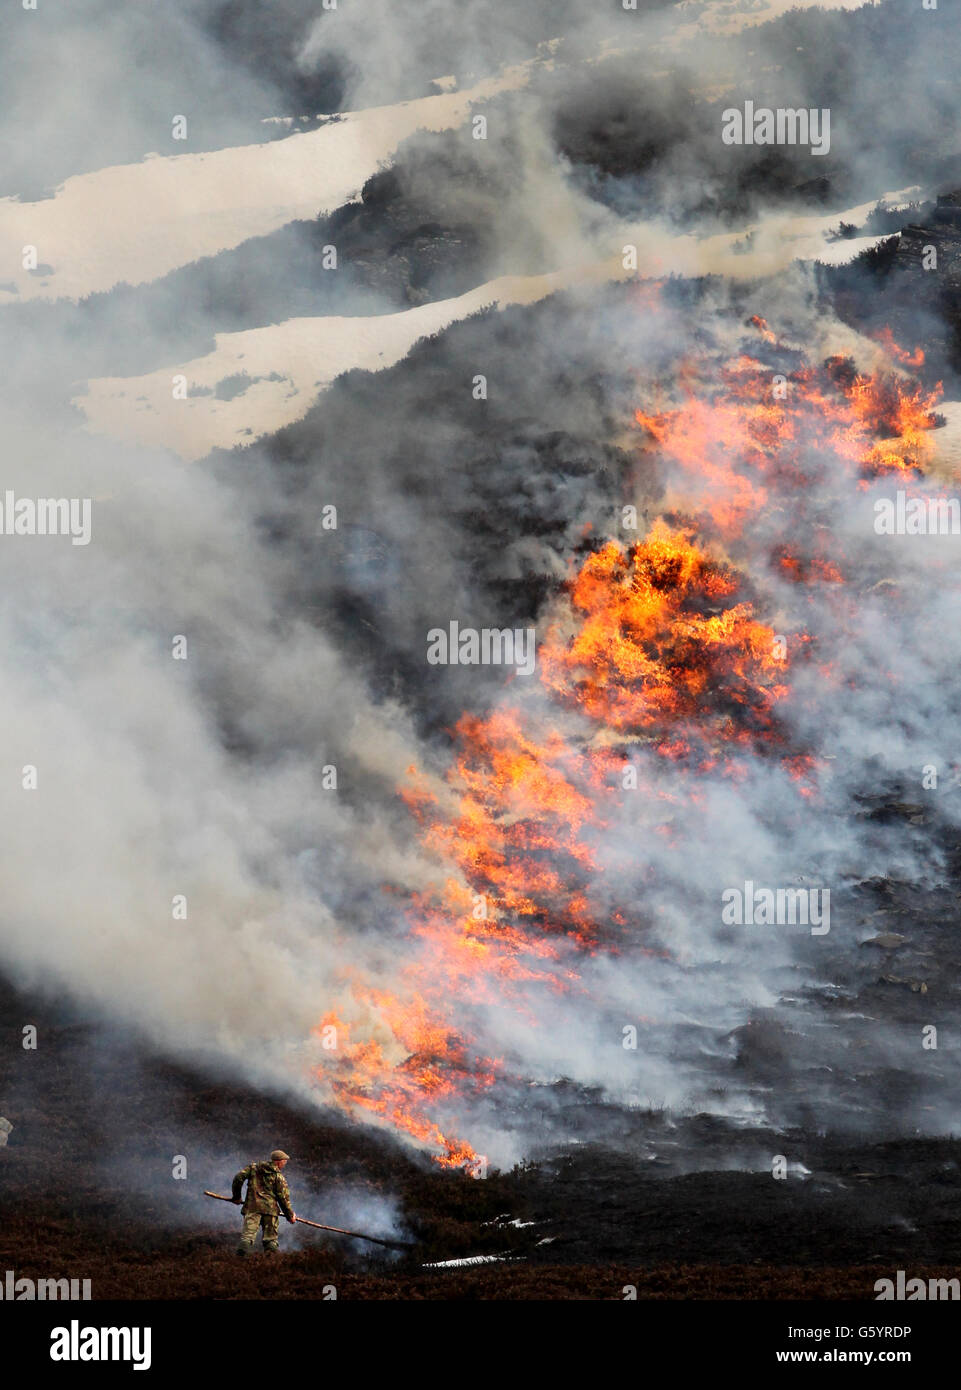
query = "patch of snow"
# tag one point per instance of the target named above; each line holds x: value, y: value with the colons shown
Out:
x: 470, y: 1260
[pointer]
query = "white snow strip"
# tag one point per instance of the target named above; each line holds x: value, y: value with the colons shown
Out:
x: 133, y: 223
x: 470, y: 1260
x: 136, y: 222
x: 302, y: 355
x: 289, y: 364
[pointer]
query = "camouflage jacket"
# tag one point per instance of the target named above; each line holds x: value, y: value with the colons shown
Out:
x: 267, y: 1190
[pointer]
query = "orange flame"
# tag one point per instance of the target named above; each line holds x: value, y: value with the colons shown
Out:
x: 656, y: 642
x: 660, y: 642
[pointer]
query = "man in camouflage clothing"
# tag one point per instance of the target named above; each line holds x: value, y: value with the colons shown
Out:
x: 267, y: 1196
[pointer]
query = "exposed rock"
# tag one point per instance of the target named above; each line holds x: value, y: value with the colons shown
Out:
x: 916, y: 986
x: 946, y: 238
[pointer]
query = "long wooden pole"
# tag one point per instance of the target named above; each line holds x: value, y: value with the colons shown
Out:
x: 302, y: 1221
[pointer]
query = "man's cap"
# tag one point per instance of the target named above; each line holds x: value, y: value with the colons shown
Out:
x: 278, y: 1153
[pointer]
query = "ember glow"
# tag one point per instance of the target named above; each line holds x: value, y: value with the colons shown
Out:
x: 667, y: 644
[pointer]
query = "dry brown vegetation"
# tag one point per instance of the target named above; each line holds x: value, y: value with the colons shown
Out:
x: 86, y: 1191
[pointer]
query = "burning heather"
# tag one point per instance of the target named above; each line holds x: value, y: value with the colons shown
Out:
x: 666, y: 663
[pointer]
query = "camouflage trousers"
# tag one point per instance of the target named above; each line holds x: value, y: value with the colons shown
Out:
x: 253, y: 1220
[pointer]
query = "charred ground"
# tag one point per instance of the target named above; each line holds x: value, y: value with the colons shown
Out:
x: 86, y: 1191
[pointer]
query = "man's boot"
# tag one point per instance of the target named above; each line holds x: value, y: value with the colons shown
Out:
x: 246, y: 1247
x: 271, y: 1248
